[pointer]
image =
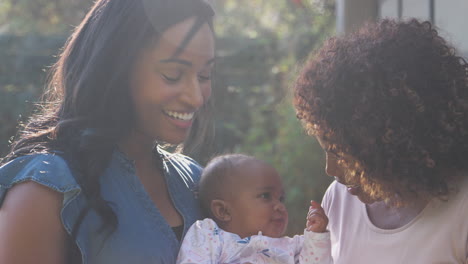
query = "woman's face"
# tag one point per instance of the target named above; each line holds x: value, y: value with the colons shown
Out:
x: 167, y: 91
x: 334, y: 168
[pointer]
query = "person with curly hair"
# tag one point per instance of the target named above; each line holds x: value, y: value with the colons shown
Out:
x: 389, y: 106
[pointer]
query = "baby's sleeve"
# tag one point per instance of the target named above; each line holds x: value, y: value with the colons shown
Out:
x: 201, y: 244
x: 316, y: 249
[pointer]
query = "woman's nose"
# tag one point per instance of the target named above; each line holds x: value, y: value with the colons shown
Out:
x: 331, y: 167
x: 196, y: 93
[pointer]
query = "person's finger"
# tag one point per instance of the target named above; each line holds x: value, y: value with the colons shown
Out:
x: 314, y: 204
x: 316, y: 216
x: 316, y: 211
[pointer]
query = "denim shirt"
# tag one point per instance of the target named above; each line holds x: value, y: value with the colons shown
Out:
x: 142, y: 235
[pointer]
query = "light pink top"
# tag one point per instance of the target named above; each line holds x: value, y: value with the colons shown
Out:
x: 206, y: 243
x: 439, y: 234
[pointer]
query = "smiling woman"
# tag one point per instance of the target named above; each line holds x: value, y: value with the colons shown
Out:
x: 183, y: 82
x: 85, y: 167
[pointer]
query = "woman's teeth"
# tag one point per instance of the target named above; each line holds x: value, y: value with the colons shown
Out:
x: 181, y: 116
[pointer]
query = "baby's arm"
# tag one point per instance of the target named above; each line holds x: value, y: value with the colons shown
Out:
x: 317, y: 246
x: 317, y: 221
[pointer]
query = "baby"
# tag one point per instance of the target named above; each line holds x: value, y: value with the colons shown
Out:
x: 244, y: 198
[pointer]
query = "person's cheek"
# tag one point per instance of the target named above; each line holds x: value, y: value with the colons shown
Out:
x: 207, y: 91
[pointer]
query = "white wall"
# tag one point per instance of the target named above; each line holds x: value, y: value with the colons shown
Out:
x: 351, y: 14
x: 451, y: 17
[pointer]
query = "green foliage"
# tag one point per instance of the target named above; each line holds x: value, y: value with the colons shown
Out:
x: 41, y: 16
x: 260, y: 43
x: 22, y: 77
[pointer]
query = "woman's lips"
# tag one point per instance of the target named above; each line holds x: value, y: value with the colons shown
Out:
x: 181, y: 120
x: 181, y: 123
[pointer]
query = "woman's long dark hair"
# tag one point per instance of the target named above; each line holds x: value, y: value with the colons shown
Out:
x: 87, y: 108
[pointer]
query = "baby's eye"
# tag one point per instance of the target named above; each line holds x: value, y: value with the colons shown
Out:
x: 265, y: 195
x: 282, y: 198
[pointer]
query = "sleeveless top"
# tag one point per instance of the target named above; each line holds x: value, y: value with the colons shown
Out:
x: 142, y: 235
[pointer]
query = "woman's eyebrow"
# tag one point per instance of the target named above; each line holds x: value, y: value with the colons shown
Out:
x: 185, y: 62
x: 175, y: 60
x: 265, y: 188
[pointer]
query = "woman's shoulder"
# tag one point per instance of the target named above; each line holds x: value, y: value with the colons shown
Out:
x: 31, y: 185
x: 48, y: 169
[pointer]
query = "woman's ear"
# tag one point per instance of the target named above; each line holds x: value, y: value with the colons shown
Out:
x: 220, y: 210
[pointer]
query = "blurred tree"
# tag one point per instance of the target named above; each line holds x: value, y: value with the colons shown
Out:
x: 261, y: 44
x: 41, y: 16
x: 31, y: 33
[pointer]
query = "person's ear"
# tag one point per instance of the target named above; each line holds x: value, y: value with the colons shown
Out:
x: 220, y: 210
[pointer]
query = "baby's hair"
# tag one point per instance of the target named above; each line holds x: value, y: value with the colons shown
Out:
x: 215, y: 176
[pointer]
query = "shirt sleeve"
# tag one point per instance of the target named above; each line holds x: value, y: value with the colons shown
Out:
x: 316, y: 249
x: 202, y: 244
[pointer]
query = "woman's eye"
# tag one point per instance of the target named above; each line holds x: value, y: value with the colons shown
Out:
x: 265, y: 195
x: 204, y: 78
x: 172, y: 77
x: 333, y: 156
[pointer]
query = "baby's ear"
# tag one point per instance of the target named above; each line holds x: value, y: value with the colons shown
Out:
x: 220, y: 210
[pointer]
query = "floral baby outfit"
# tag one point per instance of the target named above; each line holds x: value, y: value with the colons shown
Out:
x: 206, y: 243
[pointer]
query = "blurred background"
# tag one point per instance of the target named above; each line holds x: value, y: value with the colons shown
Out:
x: 260, y: 45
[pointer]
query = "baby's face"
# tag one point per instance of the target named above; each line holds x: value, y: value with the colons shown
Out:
x: 258, y: 202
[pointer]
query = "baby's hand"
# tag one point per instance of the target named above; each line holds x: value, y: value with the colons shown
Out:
x: 317, y: 221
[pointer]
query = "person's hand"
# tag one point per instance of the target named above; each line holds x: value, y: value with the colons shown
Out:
x: 317, y: 221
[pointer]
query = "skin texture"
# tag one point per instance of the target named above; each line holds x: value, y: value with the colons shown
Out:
x: 43, y: 240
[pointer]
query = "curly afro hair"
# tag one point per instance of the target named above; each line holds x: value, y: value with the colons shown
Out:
x: 394, y: 97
